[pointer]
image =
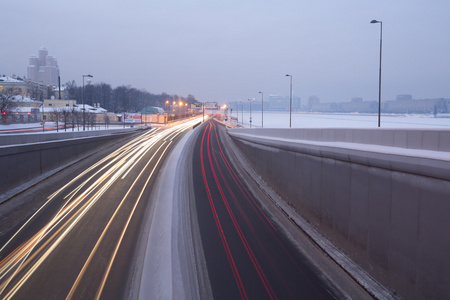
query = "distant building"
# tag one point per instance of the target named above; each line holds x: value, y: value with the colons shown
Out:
x: 24, y: 87
x: 419, y: 106
x: 43, y: 68
x: 312, y: 101
x: 403, y: 98
x: 279, y: 103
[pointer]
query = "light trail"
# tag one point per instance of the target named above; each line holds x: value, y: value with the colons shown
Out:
x: 115, y: 166
x: 110, y: 222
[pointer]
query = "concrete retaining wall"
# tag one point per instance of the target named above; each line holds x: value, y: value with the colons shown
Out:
x: 38, y: 137
x: 21, y: 163
x: 376, y: 194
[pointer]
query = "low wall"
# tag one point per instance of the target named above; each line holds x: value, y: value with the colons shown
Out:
x: 38, y: 137
x: 21, y: 163
x: 382, y: 196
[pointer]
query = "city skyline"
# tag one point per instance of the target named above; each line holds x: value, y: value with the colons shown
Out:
x: 230, y: 51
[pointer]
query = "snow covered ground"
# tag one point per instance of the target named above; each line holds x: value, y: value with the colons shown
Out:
x: 24, y: 126
x: 316, y: 120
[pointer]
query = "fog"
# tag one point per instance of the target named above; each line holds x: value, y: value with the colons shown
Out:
x: 230, y: 50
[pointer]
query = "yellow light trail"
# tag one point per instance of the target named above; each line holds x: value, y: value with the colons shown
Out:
x: 123, y: 160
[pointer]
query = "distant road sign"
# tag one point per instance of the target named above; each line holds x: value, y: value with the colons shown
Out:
x: 211, y: 105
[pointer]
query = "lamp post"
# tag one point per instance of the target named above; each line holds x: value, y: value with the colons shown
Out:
x: 43, y: 120
x: 290, y: 103
x: 250, y: 100
x: 379, y: 73
x: 242, y: 114
x: 262, y: 109
x: 90, y: 76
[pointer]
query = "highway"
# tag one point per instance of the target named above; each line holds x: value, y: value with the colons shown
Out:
x: 80, y: 239
x: 80, y: 233
x: 248, y: 252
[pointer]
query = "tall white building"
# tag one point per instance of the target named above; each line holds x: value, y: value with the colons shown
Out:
x: 43, y: 68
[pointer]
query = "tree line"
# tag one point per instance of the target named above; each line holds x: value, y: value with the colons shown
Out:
x: 73, y: 118
x: 120, y: 99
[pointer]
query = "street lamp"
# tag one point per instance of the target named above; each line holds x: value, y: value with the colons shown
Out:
x: 90, y: 76
x: 290, y: 103
x: 242, y: 114
x: 250, y: 113
x: 262, y: 109
x: 379, y: 74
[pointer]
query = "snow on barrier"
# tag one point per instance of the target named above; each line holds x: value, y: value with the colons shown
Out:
x: 382, y: 196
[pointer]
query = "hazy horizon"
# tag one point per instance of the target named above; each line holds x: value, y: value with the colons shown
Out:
x: 229, y: 51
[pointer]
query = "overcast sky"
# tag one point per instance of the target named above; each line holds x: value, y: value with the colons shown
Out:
x: 230, y: 50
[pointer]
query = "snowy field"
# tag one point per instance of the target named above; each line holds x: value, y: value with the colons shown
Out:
x: 313, y: 120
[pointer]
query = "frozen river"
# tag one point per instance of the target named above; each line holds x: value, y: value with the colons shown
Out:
x: 315, y: 120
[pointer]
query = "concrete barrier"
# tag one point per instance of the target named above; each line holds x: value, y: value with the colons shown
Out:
x: 423, y: 139
x: 382, y: 196
x: 21, y: 163
x: 39, y: 137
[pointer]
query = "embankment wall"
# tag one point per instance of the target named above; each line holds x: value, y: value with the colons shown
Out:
x: 28, y: 159
x: 381, y: 196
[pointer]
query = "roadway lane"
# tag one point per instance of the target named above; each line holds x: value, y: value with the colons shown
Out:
x: 81, y: 243
x: 248, y: 255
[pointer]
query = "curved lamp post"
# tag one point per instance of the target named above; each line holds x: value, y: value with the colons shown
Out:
x: 290, y: 103
x: 84, y: 124
x: 379, y: 74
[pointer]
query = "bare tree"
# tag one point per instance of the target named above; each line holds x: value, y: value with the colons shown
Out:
x: 90, y: 119
x: 74, y: 118
x: 106, y: 119
x: 65, y: 117
x: 6, y: 101
x: 55, y: 116
x: 79, y: 118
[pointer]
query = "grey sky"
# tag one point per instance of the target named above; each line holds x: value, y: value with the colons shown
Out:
x: 230, y: 50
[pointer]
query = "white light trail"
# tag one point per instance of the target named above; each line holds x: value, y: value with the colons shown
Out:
x: 116, y: 165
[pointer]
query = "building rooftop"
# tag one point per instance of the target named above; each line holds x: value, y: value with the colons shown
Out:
x: 4, y: 78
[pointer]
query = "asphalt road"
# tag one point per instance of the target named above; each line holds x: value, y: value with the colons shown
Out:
x: 78, y: 234
x: 248, y: 254
x: 80, y: 241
